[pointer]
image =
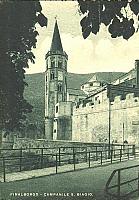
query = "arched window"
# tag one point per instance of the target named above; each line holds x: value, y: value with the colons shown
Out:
x: 52, y: 64
x: 52, y: 76
x: 60, y: 63
x: 56, y: 109
x: 60, y: 87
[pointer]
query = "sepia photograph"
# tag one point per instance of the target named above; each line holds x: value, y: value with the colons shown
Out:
x: 69, y: 100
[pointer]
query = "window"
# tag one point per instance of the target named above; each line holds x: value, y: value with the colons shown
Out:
x: 52, y: 76
x: 91, y: 84
x: 60, y: 87
x: 52, y: 64
x: 82, y: 86
x: 54, y: 130
x: 46, y: 78
x: 65, y: 63
x: 47, y: 64
x: 60, y: 64
x: 96, y: 98
x: 56, y: 109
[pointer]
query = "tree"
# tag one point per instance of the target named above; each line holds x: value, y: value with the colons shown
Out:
x: 17, y: 38
x: 121, y: 17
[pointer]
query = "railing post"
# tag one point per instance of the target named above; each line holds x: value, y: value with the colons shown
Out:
x: 73, y: 150
x: 133, y: 150
x: 20, y: 160
x: 101, y: 158
x: 4, y: 170
x: 119, y: 182
x: 120, y: 155
x: 86, y: 154
x: 128, y: 153
x: 96, y: 154
x: 74, y: 158
x: 41, y: 158
x: 89, y: 159
x: 56, y: 164
x: 114, y: 153
x: 111, y: 155
x: 59, y: 156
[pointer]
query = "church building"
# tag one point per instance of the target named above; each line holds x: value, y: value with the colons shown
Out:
x: 102, y: 108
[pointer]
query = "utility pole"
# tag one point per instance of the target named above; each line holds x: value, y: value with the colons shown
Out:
x: 123, y: 132
x: 109, y: 123
x: 109, y: 131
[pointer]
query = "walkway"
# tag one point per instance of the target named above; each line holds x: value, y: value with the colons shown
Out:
x: 78, y: 183
x: 53, y: 170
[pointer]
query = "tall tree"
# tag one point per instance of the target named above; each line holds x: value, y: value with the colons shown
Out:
x: 17, y: 38
x: 121, y: 17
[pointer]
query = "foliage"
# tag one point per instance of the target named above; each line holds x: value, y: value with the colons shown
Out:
x: 121, y: 17
x: 17, y: 38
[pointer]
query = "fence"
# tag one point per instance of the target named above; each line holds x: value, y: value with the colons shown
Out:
x: 123, y: 188
x: 26, y: 159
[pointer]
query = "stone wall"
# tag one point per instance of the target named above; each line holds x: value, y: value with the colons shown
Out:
x: 42, y: 143
x: 91, y: 123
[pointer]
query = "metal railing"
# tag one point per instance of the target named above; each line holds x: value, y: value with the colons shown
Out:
x: 124, y: 186
x: 72, y: 156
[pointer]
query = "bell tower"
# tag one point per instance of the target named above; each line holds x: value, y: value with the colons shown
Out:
x: 55, y: 80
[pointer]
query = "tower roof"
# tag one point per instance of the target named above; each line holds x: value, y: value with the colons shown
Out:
x: 56, y: 44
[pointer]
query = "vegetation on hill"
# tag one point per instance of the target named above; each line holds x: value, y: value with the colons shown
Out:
x: 35, y: 95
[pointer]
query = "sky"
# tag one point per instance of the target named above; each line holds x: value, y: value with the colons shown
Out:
x: 97, y: 53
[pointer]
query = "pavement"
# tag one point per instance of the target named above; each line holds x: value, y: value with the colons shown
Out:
x: 23, y: 175
x: 51, y: 186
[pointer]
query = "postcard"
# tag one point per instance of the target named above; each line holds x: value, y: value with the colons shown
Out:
x: 69, y: 100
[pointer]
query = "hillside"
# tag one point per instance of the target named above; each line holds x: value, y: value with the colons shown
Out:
x: 34, y: 94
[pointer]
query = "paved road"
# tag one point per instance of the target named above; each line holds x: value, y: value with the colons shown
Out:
x: 89, y: 182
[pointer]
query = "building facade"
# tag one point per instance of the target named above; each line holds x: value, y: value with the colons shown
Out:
x: 104, y: 109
